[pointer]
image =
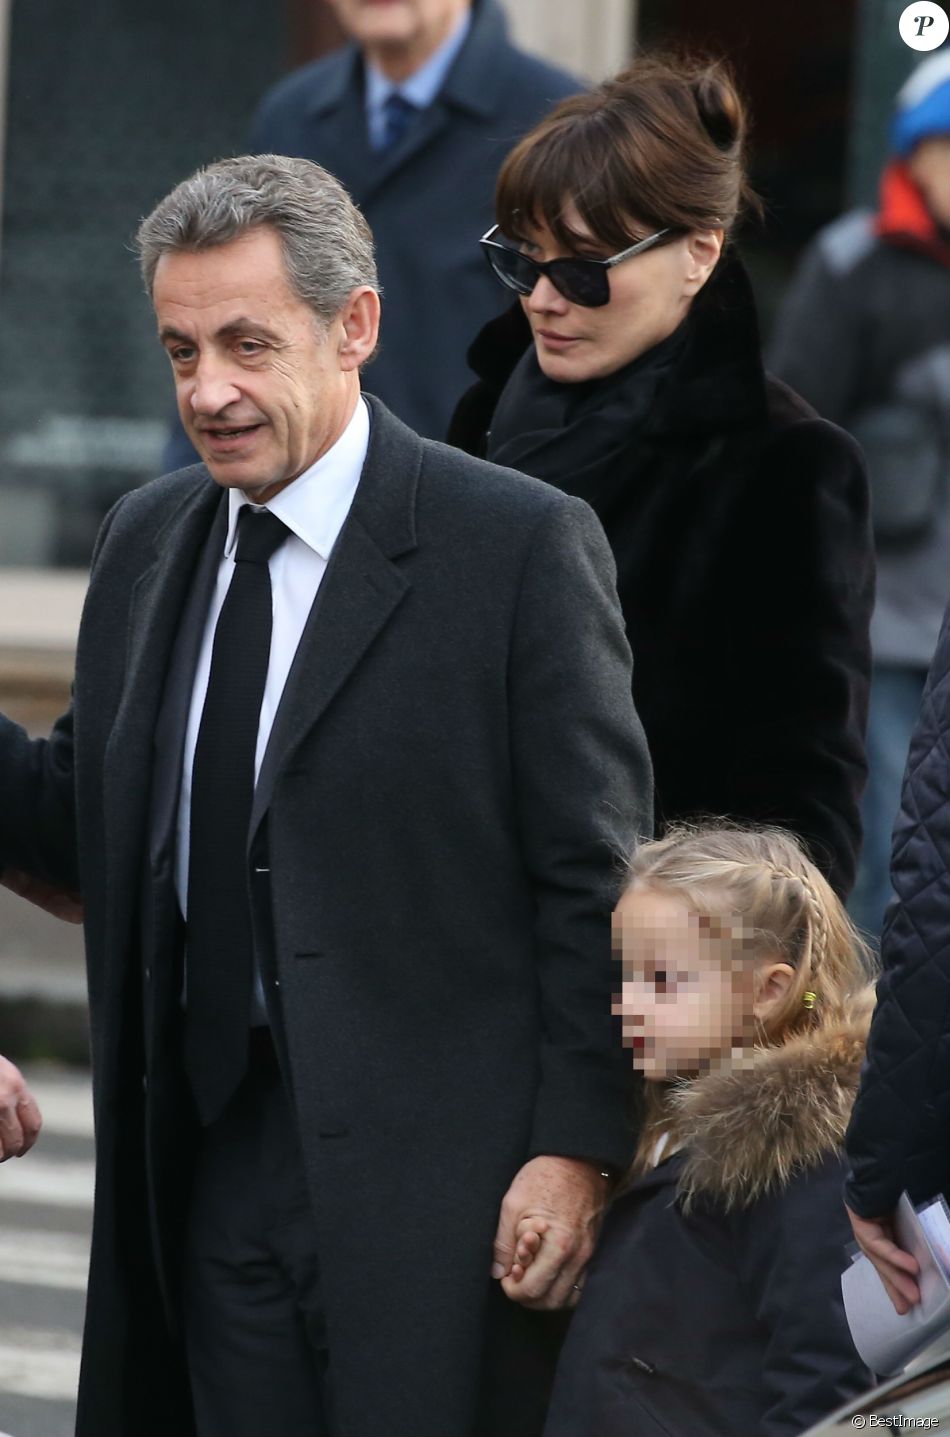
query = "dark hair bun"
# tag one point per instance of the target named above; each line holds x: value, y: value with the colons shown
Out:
x: 661, y: 145
x: 719, y: 106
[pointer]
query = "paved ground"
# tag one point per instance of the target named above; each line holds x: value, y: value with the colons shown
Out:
x: 45, y: 1219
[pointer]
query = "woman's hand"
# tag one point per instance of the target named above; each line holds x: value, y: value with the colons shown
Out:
x: 895, y: 1267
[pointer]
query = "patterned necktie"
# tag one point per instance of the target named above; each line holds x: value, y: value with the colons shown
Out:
x: 398, y: 114
x: 219, y: 943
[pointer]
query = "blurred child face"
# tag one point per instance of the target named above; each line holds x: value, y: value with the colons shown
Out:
x: 929, y: 166
x: 686, y: 998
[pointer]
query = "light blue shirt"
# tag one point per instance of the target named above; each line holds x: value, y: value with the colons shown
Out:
x: 420, y: 89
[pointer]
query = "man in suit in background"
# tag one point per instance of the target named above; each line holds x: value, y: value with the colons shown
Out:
x: 414, y: 118
x: 350, y: 756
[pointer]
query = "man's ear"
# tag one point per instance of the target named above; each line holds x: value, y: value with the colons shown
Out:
x: 359, y: 319
x: 703, y: 248
x: 771, y: 984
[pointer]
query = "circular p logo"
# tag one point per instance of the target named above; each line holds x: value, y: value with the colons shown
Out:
x: 924, y: 26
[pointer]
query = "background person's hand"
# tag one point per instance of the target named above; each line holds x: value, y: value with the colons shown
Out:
x: 20, y: 1119
x: 64, y: 905
x: 566, y: 1196
x: 895, y: 1267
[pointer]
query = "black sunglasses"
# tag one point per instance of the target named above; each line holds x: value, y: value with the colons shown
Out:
x: 582, y: 281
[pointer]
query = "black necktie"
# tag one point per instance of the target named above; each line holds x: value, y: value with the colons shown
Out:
x: 398, y: 113
x: 219, y: 944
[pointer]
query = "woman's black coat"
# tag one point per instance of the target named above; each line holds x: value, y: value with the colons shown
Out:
x: 745, y: 572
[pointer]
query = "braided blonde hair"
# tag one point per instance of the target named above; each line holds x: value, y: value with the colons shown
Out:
x: 759, y: 883
x: 761, y: 891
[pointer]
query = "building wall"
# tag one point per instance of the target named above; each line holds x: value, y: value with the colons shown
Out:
x: 594, y: 37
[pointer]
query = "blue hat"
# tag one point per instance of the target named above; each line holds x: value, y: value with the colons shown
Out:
x: 923, y: 105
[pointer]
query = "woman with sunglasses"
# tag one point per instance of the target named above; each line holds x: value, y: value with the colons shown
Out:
x: 629, y: 373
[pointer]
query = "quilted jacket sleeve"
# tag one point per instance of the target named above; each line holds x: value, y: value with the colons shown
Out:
x: 900, y: 1129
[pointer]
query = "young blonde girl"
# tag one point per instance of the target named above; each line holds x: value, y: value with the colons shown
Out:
x: 712, y: 1307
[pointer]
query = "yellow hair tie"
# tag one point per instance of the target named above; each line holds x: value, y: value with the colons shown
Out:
x: 809, y: 999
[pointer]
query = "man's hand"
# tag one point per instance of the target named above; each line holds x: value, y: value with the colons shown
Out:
x: 895, y: 1267
x: 562, y: 1200
x: 20, y: 1119
x: 67, y: 906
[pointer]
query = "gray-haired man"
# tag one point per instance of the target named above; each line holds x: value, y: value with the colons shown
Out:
x: 350, y: 750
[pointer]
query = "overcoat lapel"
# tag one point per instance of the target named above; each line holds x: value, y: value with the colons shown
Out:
x: 361, y: 589
x: 175, y: 703
x: 423, y: 131
x: 337, y: 120
x: 343, y: 142
x: 157, y: 601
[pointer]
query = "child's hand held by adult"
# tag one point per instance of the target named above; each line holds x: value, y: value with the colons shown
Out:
x: 558, y: 1199
x: 529, y: 1236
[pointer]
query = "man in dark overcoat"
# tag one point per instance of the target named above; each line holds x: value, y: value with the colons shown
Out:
x: 415, y: 116
x: 350, y: 757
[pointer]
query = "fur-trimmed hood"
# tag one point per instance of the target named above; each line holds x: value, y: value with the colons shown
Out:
x: 746, y: 1132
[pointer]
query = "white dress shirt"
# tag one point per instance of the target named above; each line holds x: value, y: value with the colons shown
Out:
x: 314, y: 508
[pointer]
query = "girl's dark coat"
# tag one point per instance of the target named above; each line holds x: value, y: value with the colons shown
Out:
x: 713, y: 1305
x: 745, y: 572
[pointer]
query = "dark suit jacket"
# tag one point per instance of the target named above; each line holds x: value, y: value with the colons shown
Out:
x: 453, y: 766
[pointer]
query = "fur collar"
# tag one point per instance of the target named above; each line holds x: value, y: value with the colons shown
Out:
x: 747, y: 1132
